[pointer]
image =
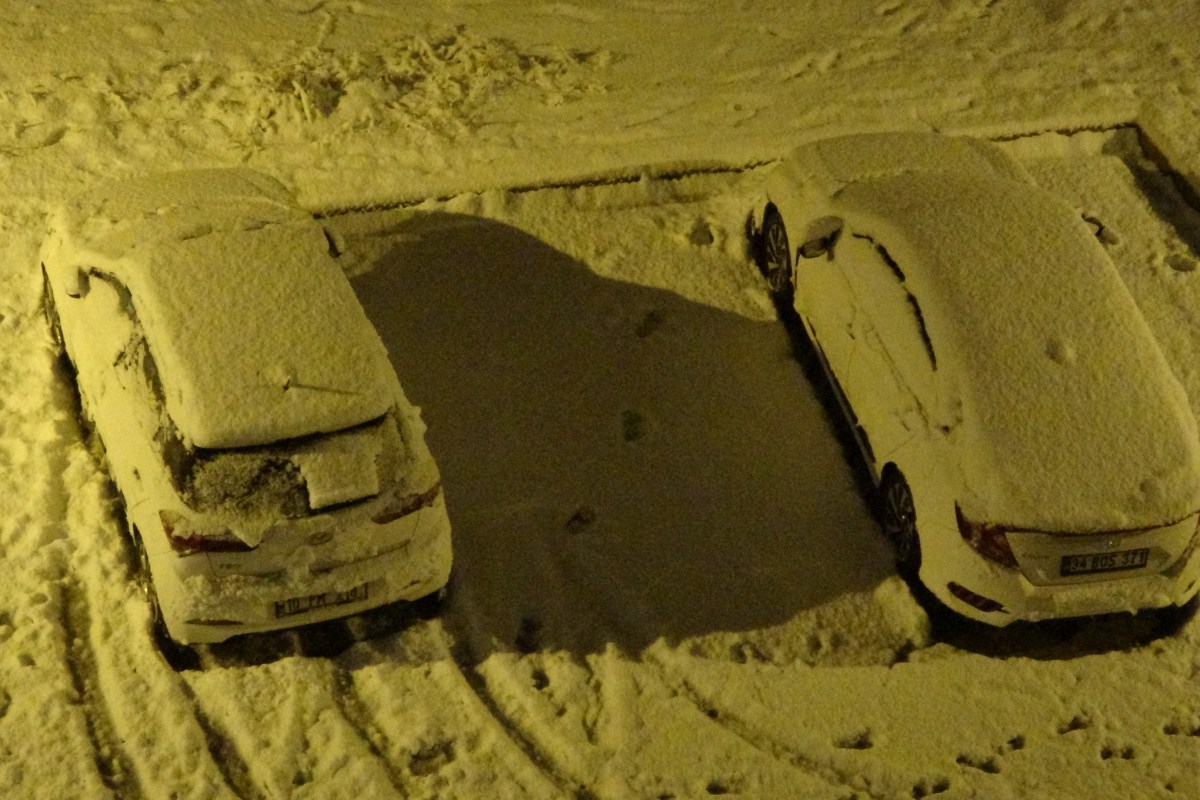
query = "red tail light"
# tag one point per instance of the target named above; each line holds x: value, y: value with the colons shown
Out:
x: 187, y: 540
x: 986, y: 604
x: 403, y: 505
x: 1186, y: 556
x: 986, y: 539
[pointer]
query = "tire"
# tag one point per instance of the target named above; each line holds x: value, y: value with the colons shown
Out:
x: 774, y: 253
x: 431, y: 605
x: 898, y: 516
x: 146, y: 584
x: 178, y: 656
x: 50, y: 312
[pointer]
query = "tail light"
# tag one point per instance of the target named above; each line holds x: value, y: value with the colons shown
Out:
x: 188, y: 539
x: 985, y: 604
x: 403, y: 505
x: 1186, y: 556
x: 988, y: 540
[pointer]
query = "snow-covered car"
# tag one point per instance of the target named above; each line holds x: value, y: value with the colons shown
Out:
x: 273, y: 472
x: 1033, y: 454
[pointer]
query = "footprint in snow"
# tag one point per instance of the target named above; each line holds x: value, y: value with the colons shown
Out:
x: 1079, y: 722
x: 529, y: 635
x: 633, y: 425
x: 925, y: 788
x: 581, y: 520
x: 430, y: 759
x: 650, y: 323
x: 859, y: 740
x: 718, y: 787
x: 986, y: 764
x: 701, y: 234
x: 991, y: 763
x: 1109, y: 752
x: 1173, y: 729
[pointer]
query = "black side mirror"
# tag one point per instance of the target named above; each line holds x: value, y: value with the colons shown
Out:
x: 821, y: 236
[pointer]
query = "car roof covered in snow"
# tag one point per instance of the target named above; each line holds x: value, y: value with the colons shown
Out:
x: 256, y: 333
x: 1075, y: 420
x: 830, y: 164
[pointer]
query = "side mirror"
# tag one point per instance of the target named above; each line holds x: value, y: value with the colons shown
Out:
x: 820, y: 237
x: 78, y: 283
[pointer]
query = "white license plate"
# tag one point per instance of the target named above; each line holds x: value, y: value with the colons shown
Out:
x: 1105, y: 562
x: 300, y: 605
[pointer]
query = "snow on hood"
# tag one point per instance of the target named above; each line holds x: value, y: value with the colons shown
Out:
x: 1073, y: 418
x: 255, y: 331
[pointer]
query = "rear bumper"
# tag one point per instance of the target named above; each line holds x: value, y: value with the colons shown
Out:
x: 202, y: 608
x: 1022, y: 600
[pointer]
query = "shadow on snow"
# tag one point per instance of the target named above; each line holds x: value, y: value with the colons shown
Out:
x: 621, y: 464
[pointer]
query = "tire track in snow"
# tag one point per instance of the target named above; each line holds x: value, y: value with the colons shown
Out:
x: 130, y: 696
x: 466, y: 660
x: 276, y: 728
x: 837, y: 778
x: 233, y: 768
x: 113, y: 763
x: 375, y: 652
x: 358, y: 717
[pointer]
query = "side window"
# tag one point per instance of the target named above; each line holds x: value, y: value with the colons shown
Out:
x: 895, y: 308
x: 121, y: 343
x: 113, y: 322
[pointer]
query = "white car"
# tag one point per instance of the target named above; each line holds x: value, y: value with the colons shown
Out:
x: 1033, y: 453
x: 272, y: 471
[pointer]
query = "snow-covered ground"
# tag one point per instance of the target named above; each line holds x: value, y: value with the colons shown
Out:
x: 667, y: 583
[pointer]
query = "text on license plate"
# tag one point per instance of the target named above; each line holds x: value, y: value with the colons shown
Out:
x: 299, y: 605
x: 1105, y: 562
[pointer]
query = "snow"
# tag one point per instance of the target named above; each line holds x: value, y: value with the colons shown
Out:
x: 833, y: 163
x: 667, y: 583
x: 1030, y: 322
x: 343, y: 471
x: 238, y: 366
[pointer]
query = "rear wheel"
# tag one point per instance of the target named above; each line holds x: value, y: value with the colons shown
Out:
x: 179, y: 656
x: 774, y: 253
x: 50, y: 312
x: 898, y: 516
x: 146, y: 584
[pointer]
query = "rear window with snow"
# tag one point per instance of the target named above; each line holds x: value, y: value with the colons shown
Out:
x: 290, y: 478
x: 275, y: 480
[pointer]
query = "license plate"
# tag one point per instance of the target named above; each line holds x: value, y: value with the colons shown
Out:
x: 300, y: 605
x: 1105, y: 562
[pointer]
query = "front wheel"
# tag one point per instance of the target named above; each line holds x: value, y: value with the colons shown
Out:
x: 898, y: 516
x: 774, y: 253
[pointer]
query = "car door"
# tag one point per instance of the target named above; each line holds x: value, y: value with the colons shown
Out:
x: 823, y: 298
x: 888, y: 370
x: 114, y: 374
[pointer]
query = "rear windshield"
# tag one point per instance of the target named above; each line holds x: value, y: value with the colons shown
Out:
x: 267, y: 479
x: 347, y: 466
